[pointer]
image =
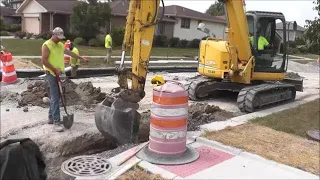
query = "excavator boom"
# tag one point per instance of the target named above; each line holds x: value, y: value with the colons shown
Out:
x: 117, y: 117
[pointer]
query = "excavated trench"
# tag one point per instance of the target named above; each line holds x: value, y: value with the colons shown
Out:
x: 88, y: 140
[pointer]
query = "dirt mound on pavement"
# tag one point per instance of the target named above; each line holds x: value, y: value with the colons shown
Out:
x: 203, y: 113
x: 75, y: 94
x: 293, y: 75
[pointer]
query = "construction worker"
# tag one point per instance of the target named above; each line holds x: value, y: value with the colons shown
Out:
x: 108, y: 46
x: 74, y: 63
x: 262, y: 42
x: 53, y: 51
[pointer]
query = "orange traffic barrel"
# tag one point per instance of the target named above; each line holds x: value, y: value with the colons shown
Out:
x: 9, y: 75
x: 168, y: 126
x: 67, y: 57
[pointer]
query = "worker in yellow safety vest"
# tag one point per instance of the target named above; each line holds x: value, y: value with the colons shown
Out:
x: 53, y: 51
x: 74, y: 63
x: 108, y: 46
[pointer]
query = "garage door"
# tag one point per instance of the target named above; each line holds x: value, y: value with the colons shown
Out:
x: 32, y: 25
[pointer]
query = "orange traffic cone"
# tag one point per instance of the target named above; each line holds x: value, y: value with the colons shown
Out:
x: 9, y: 75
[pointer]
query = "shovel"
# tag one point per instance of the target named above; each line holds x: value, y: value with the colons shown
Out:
x: 67, y: 120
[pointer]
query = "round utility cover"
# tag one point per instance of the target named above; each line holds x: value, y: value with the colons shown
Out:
x: 190, y: 155
x: 82, y: 166
x: 314, y: 134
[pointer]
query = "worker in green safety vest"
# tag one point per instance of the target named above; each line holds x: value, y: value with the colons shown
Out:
x: 108, y: 46
x: 53, y: 51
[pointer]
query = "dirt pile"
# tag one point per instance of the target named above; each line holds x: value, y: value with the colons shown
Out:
x: 203, y: 113
x: 311, y: 67
x: 293, y: 75
x: 75, y: 94
x: 9, y: 96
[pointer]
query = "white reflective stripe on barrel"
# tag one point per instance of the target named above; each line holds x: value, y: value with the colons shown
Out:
x: 168, y: 134
x: 9, y: 74
x: 158, y: 111
x: 8, y: 63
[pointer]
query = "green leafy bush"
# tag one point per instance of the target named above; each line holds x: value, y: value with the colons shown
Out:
x: 160, y: 40
x: 21, y: 34
x: 4, y: 33
x: 45, y: 35
x: 2, y: 25
x: 29, y: 35
x: 94, y: 42
x: 300, y: 41
x: 183, y: 43
x: 292, y: 44
x: 15, y: 27
x: 302, y: 48
x: 293, y: 51
x: 194, y: 43
x: 173, y: 42
x: 117, y: 35
x: 79, y: 41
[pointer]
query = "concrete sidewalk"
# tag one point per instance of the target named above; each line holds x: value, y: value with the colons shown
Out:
x: 216, y: 161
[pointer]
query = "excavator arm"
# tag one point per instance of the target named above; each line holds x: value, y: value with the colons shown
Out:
x: 117, y: 117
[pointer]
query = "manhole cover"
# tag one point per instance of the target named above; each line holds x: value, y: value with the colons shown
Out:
x: 314, y: 134
x: 86, y: 166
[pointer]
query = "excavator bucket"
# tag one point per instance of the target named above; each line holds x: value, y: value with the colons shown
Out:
x: 118, y: 120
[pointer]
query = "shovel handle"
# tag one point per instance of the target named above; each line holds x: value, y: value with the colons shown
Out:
x: 61, y: 92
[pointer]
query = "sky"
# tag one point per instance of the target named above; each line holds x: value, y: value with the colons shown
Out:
x: 294, y: 10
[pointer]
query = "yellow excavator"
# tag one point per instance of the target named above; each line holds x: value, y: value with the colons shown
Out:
x: 238, y: 64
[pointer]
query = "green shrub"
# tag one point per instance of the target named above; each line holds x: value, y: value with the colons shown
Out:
x: 300, y: 41
x: 183, y: 43
x: 292, y: 44
x: 302, y: 48
x: 4, y: 33
x: 69, y: 36
x: 173, y: 42
x: 21, y: 34
x: 2, y: 25
x: 45, y: 35
x: 293, y: 51
x: 117, y: 35
x: 94, y: 42
x: 79, y: 41
x: 29, y: 35
x: 15, y: 27
x: 37, y: 36
x: 160, y: 40
x: 194, y: 43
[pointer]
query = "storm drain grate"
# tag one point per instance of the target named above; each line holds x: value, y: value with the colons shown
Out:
x: 86, y: 166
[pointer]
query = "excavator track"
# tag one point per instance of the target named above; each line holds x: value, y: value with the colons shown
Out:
x: 250, y: 97
x: 256, y: 97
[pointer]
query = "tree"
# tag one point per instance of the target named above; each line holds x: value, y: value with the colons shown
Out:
x: 312, y: 33
x: 89, y: 18
x: 6, y: 3
x: 216, y: 9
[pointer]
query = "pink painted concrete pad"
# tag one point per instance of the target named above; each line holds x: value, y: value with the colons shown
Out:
x: 208, y: 157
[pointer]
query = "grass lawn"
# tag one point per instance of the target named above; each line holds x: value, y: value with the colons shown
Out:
x: 31, y: 47
x: 138, y: 173
x: 280, y: 137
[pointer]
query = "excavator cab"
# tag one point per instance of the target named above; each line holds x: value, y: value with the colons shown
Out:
x: 265, y: 42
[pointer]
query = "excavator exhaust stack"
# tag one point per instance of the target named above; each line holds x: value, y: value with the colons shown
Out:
x: 118, y: 120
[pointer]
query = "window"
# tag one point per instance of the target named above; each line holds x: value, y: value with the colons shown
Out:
x: 161, y: 28
x: 185, y: 23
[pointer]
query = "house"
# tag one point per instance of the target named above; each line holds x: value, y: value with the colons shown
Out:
x: 290, y: 31
x: 178, y: 21
x: 40, y: 16
x: 9, y: 16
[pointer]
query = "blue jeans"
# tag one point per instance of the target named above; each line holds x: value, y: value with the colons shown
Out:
x: 54, y: 110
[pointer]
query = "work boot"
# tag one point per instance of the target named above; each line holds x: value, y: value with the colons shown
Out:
x: 50, y: 121
x: 58, y: 126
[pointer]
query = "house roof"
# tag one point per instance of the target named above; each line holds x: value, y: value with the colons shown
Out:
x: 279, y: 26
x: 61, y: 6
x: 120, y: 7
x: 4, y: 11
x: 182, y: 12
